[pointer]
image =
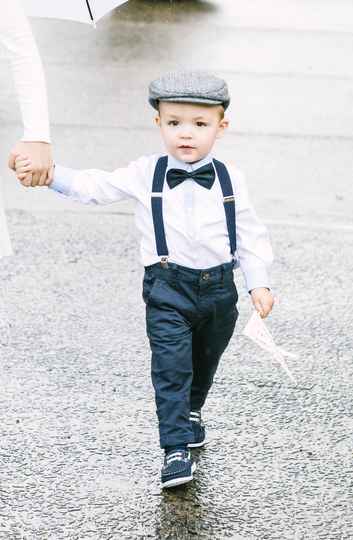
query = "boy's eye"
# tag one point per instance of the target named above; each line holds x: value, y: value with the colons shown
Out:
x: 201, y: 124
x: 173, y: 123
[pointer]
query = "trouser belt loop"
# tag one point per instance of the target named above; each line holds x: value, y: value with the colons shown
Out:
x: 175, y: 273
x: 222, y: 275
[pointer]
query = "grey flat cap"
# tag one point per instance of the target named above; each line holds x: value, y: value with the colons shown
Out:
x: 189, y: 87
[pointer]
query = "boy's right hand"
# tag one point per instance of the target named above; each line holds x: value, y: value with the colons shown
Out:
x: 23, y: 168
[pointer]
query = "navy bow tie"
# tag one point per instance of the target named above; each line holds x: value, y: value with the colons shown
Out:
x: 204, y: 176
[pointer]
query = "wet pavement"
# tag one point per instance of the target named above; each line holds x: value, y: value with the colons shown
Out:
x: 79, y: 454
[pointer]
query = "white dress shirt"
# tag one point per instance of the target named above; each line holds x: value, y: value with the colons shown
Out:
x: 194, y: 217
x: 16, y: 35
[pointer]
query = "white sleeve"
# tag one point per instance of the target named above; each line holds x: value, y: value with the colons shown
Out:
x: 93, y: 186
x: 16, y: 35
x: 253, y: 242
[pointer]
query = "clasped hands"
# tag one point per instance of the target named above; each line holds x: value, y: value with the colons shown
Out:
x: 32, y: 162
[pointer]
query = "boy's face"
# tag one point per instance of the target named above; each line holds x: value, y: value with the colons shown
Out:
x: 189, y: 130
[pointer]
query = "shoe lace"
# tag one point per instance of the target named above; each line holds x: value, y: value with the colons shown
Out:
x: 195, y: 416
x: 175, y: 456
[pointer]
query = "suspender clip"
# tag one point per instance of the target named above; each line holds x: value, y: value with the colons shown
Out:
x: 164, y: 261
x: 229, y: 198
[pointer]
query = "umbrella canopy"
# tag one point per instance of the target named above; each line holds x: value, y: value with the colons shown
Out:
x: 88, y: 11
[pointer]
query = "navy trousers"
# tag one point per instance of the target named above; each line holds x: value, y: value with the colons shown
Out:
x: 190, y: 318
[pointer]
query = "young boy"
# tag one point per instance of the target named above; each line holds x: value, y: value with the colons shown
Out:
x: 197, y: 224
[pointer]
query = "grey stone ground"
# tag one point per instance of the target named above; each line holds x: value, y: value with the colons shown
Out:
x: 79, y: 458
x: 78, y: 453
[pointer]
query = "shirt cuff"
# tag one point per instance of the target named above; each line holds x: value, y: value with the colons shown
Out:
x: 256, y: 277
x: 62, y: 180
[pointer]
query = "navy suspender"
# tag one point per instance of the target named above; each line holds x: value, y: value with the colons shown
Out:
x: 157, y: 206
x: 157, y: 209
x: 228, y: 202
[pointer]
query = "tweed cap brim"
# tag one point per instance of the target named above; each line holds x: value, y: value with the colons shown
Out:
x: 187, y: 99
x: 189, y: 87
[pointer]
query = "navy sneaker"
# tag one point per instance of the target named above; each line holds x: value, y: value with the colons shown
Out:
x: 178, y: 468
x: 198, y: 428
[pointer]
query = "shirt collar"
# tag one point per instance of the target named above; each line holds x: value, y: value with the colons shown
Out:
x: 174, y: 163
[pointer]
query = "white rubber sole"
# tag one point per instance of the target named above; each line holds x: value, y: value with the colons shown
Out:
x: 180, y: 481
x: 197, y: 445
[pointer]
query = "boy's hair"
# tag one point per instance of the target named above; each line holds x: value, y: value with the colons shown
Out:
x: 221, y: 113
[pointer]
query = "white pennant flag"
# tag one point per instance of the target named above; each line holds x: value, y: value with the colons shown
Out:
x: 256, y: 330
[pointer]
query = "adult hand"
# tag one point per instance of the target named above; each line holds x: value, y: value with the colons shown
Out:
x: 263, y: 301
x: 40, y: 156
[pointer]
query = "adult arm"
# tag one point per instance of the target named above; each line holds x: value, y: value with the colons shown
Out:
x: 16, y: 35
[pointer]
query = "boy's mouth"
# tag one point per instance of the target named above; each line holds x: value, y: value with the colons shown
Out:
x: 186, y: 147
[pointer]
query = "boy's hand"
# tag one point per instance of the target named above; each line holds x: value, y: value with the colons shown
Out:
x: 24, y: 168
x: 40, y: 155
x: 263, y: 301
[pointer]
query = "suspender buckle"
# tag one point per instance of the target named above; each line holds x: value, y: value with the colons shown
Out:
x: 164, y: 261
x: 229, y: 198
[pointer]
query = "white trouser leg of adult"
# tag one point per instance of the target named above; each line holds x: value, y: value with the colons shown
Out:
x: 5, y: 242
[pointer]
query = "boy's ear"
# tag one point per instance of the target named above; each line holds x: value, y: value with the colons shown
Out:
x: 223, y: 125
x: 157, y: 119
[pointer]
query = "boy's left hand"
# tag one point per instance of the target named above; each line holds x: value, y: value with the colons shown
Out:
x: 263, y: 301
